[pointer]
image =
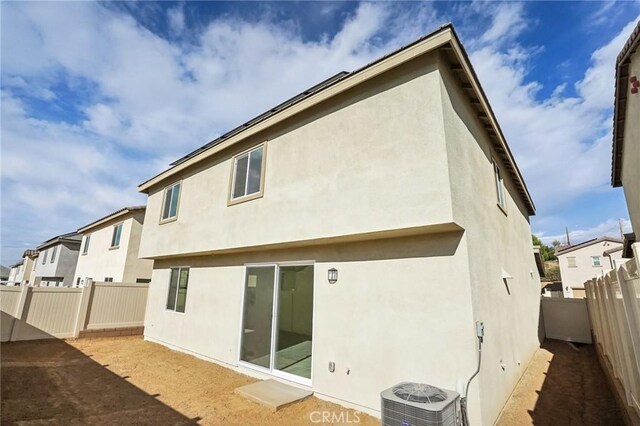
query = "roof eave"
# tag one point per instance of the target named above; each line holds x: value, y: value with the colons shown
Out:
x: 620, y: 97
x: 117, y: 214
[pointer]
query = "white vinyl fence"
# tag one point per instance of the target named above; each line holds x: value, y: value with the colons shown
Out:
x: 30, y: 313
x: 566, y: 319
x: 614, y: 308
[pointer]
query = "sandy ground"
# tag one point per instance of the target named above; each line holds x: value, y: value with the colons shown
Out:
x: 562, y: 386
x: 129, y: 381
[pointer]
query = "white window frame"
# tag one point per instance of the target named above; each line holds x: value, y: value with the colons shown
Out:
x: 44, y: 257
x: 108, y: 279
x: 500, y: 189
x: 271, y: 370
x: 113, y: 235
x: 569, y: 263
x: 247, y: 197
x: 54, y: 250
x: 164, y: 199
x: 593, y: 263
x: 85, y: 247
x: 175, y: 302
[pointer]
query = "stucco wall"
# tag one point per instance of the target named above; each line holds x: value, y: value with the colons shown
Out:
x: 400, y: 311
x: 27, y: 270
x: 495, y: 242
x: 631, y: 150
x: 362, y: 162
x: 122, y: 263
x: 575, y: 277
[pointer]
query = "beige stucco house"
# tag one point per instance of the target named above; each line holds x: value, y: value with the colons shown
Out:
x: 21, y: 271
x: 56, y: 261
x: 350, y: 238
x: 109, y: 249
x: 581, y: 262
x: 626, y: 131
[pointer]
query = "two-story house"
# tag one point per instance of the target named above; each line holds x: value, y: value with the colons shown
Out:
x: 351, y: 237
x: 626, y: 132
x: 56, y: 262
x: 581, y: 262
x: 109, y: 249
x: 16, y: 271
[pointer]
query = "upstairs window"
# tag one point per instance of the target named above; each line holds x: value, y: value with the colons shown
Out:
x: 595, y: 261
x: 44, y: 257
x: 177, y: 297
x: 53, y: 254
x: 499, y: 186
x: 115, y: 238
x: 85, y: 248
x: 247, y: 174
x: 571, y: 262
x: 170, y: 202
x: 108, y: 279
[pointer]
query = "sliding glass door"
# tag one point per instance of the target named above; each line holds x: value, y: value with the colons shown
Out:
x: 277, y: 328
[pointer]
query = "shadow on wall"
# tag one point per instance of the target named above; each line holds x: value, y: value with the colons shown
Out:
x: 50, y: 381
x: 441, y: 244
x: 574, y: 388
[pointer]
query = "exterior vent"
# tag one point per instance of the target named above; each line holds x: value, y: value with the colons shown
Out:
x: 417, y: 404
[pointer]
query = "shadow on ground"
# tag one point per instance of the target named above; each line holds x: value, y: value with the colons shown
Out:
x: 50, y: 381
x: 563, y: 385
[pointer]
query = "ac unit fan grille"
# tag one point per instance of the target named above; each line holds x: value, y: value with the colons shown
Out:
x: 418, y: 392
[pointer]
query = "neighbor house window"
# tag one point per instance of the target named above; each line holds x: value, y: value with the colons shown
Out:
x: 108, y: 279
x: 170, y: 203
x: 177, y: 298
x: 78, y: 282
x: 44, y: 257
x: 115, y: 238
x: 87, y: 239
x: 247, y: 173
x: 499, y: 185
x: 595, y: 261
x: 571, y: 262
x: 53, y: 254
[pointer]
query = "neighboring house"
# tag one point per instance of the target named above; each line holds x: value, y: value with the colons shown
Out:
x: 626, y: 132
x: 56, y: 261
x: 5, y: 273
x: 350, y: 238
x: 16, y: 271
x: 28, y: 259
x: 582, y: 262
x: 21, y: 271
x: 109, y: 250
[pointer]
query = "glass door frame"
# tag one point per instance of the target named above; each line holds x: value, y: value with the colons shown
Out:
x: 274, y: 321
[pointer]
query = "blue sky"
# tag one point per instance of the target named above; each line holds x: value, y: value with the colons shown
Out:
x: 97, y: 97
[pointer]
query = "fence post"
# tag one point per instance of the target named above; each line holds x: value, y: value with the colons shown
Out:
x: 83, y: 308
x: 20, y: 310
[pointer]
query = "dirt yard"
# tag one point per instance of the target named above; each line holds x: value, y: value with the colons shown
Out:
x: 129, y: 381
x: 562, y: 386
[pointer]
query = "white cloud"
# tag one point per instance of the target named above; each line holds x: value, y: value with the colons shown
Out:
x: 175, y: 18
x: 608, y: 228
x: 508, y: 21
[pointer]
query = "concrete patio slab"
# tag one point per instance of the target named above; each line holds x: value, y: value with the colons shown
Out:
x: 272, y: 393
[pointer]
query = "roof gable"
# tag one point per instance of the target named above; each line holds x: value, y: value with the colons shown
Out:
x: 565, y: 250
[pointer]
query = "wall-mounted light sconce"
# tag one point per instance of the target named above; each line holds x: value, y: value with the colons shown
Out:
x: 332, y: 276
